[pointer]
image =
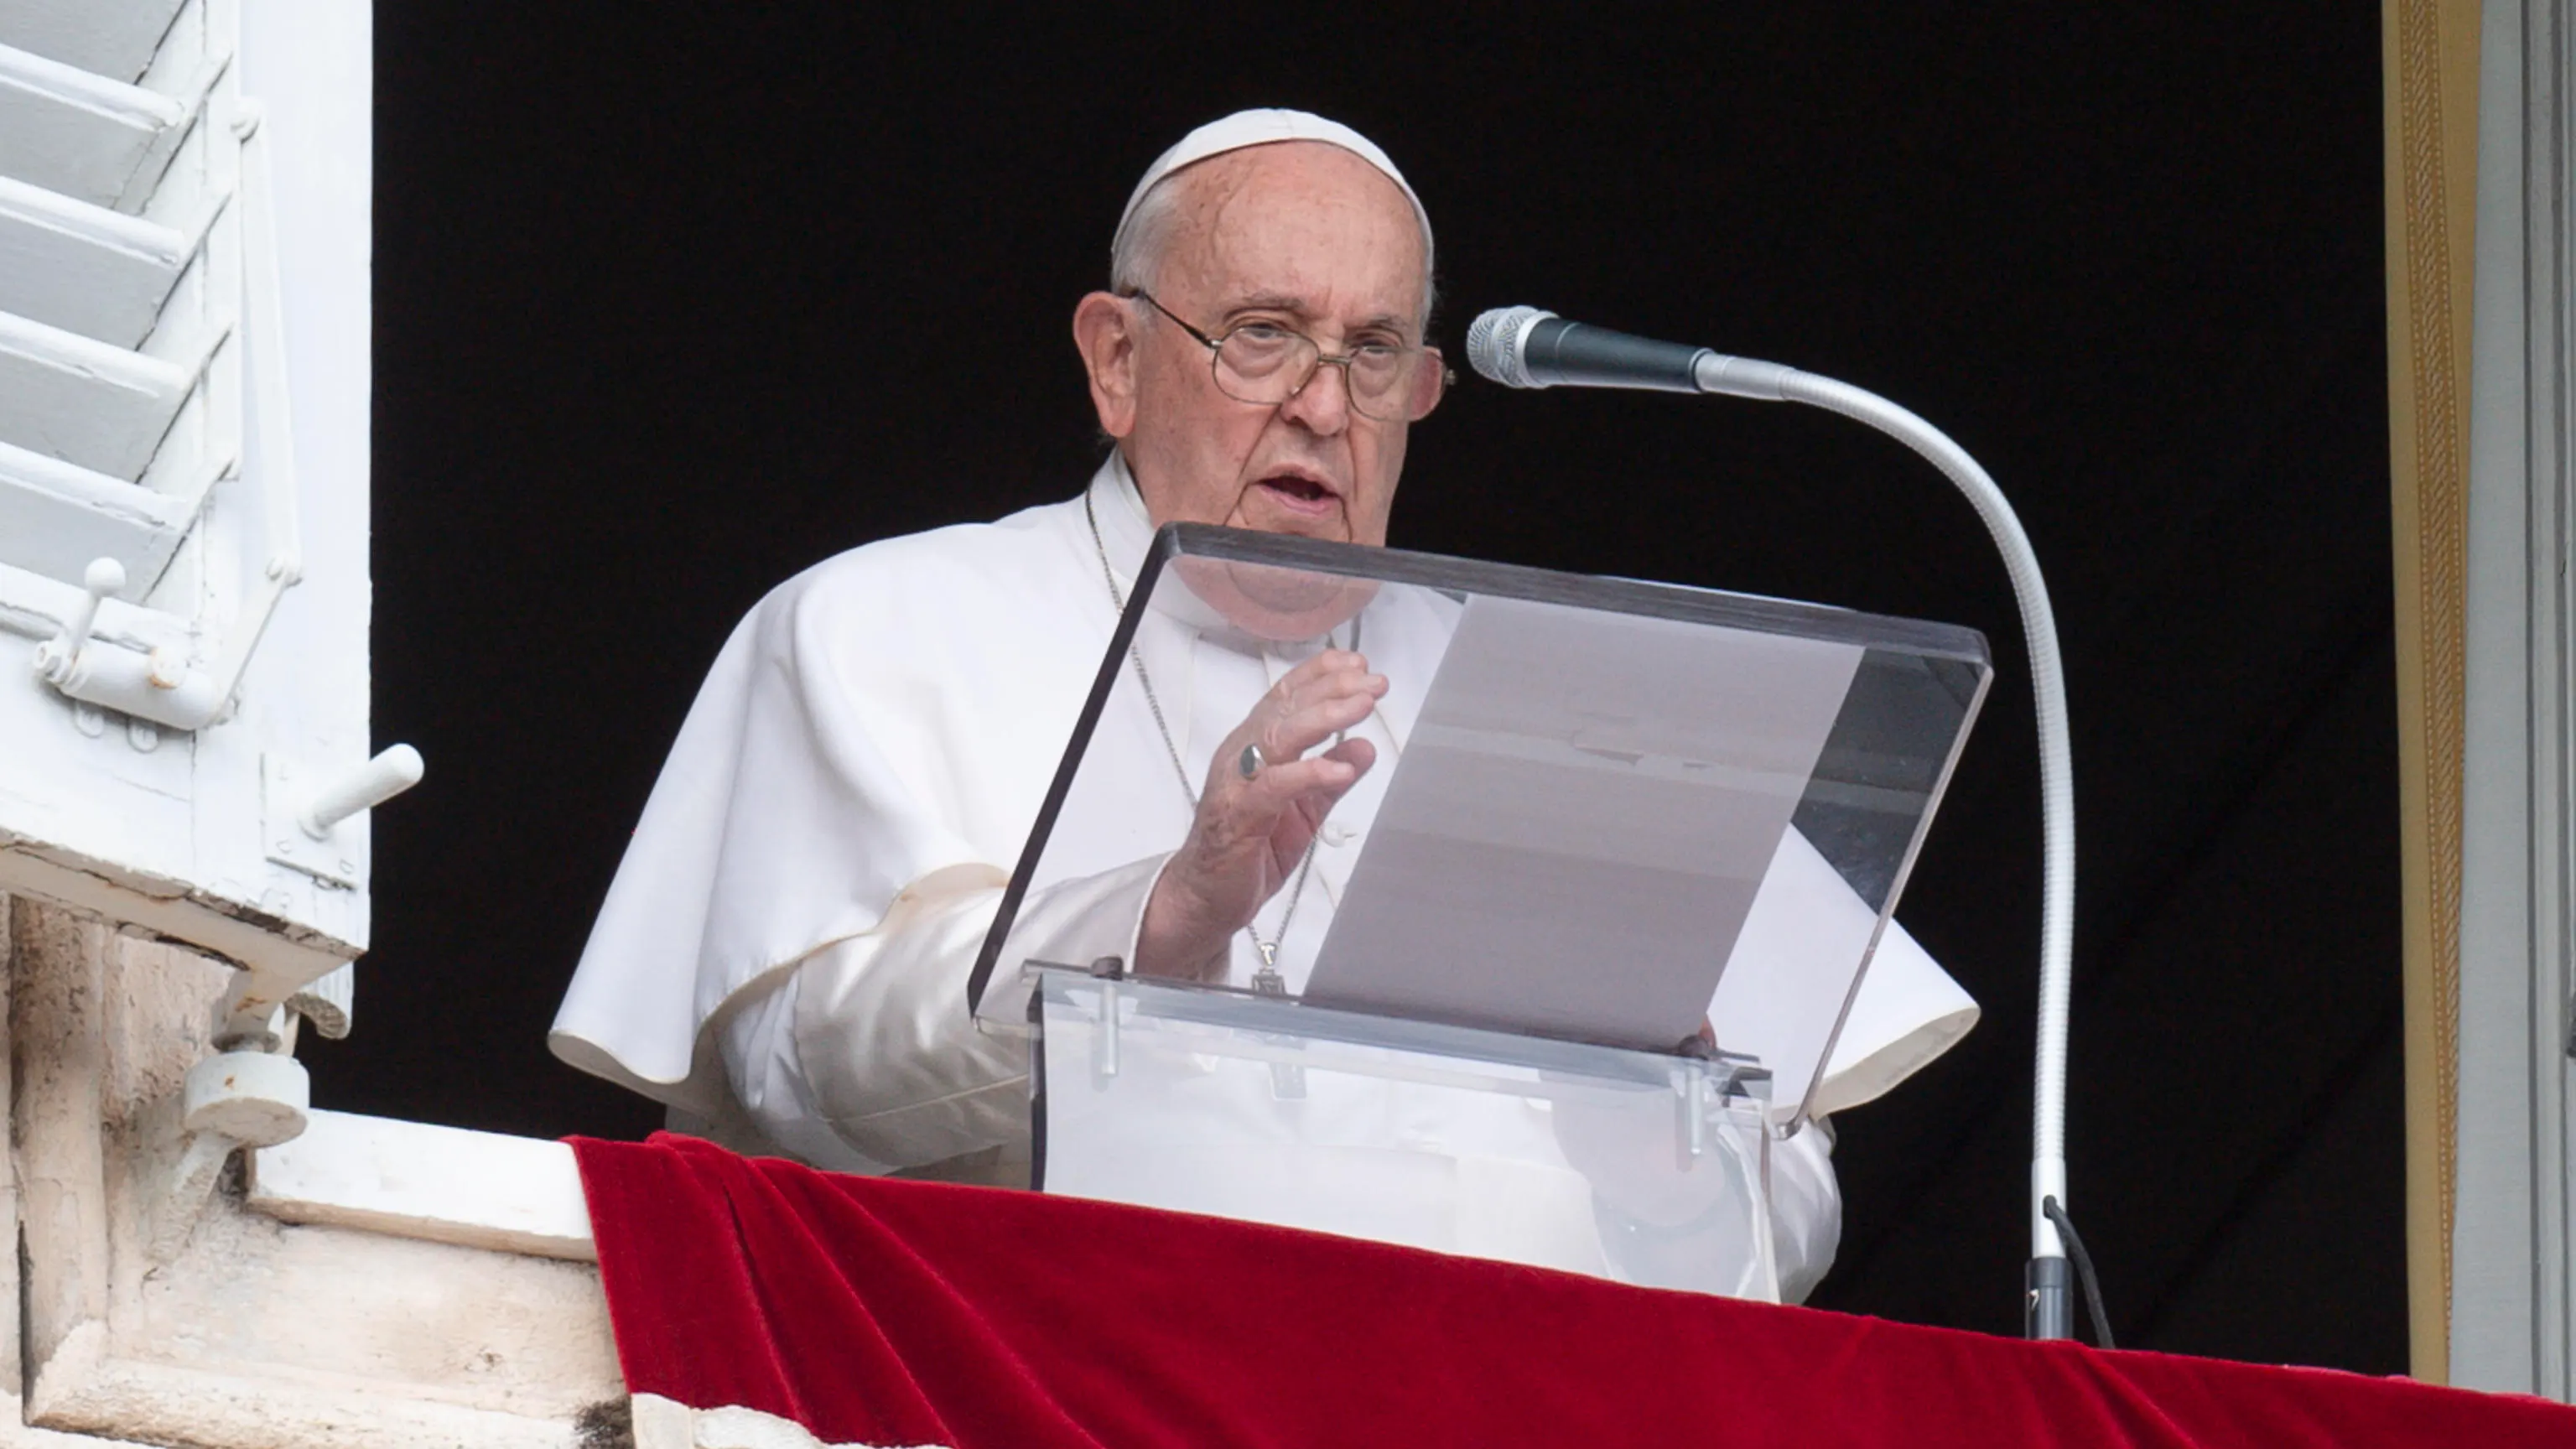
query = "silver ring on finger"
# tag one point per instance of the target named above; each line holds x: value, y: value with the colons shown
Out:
x: 1249, y: 763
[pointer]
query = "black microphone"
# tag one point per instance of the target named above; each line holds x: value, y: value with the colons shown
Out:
x: 1526, y: 347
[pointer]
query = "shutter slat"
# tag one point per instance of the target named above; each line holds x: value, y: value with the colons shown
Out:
x: 67, y: 130
x: 115, y: 40
x: 85, y: 402
x: 55, y: 517
x: 84, y: 268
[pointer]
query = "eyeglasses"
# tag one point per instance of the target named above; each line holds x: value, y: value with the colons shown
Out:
x: 1265, y: 364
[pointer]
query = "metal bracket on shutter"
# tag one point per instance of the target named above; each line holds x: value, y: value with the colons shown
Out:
x: 300, y: 818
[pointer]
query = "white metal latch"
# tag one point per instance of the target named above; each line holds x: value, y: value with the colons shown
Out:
x: 159, y: 687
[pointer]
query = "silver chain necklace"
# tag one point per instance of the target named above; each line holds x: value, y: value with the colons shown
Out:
x: 1267, y: 980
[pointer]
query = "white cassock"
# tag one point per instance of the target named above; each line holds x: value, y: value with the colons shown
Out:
x: 783, y: 956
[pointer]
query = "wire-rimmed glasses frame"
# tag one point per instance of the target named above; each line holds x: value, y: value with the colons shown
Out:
x: 1257, y: 361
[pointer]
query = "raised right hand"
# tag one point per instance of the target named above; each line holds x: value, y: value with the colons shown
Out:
x: 1250, y: 835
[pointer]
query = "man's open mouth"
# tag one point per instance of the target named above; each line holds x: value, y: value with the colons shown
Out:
x: 1297, y: 492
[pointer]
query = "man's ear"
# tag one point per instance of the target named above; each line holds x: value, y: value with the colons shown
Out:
x: 1104, y: 331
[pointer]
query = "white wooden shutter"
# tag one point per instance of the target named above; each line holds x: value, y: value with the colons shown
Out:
x: 184, y: 307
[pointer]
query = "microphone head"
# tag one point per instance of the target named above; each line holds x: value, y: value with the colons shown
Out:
x: 1495, y: 342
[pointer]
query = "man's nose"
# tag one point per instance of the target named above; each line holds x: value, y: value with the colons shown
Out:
x: 1323, y: 405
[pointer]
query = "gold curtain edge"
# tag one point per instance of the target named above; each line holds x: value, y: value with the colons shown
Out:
x: 2429, y: 80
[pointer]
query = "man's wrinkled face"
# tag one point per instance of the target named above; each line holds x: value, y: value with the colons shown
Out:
x: 1307, y: 236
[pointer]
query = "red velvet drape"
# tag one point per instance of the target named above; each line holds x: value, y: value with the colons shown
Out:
x: 885, y: 1312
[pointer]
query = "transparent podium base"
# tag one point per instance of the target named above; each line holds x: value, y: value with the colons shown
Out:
x: 1634, y: 1166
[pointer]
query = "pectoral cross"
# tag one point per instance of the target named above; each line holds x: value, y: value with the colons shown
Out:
x: 1287, y: 1080
x: 1267, y: 981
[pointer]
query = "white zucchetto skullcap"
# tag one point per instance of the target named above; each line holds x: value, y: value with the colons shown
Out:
x: 1263, y: 128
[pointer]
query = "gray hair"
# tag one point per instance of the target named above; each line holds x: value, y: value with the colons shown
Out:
x: 1137, y: 253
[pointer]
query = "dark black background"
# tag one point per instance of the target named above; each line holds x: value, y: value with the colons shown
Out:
x: 672, y: 301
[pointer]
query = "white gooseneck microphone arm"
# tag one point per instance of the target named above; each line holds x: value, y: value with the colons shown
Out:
x: 1525, y: 347
x: 2050, y: 1305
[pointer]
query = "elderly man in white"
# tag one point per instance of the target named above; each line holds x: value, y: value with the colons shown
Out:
x: 783, y: 957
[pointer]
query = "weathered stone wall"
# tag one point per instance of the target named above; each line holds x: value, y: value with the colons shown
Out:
x: 256, y: 1332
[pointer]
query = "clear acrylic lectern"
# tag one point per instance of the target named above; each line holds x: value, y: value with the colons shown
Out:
x: 1551, y: 981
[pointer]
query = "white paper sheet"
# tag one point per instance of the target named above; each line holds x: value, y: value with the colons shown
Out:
x: 1579, y: 822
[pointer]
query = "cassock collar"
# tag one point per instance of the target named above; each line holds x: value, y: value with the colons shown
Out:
x: 1127, y: 531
